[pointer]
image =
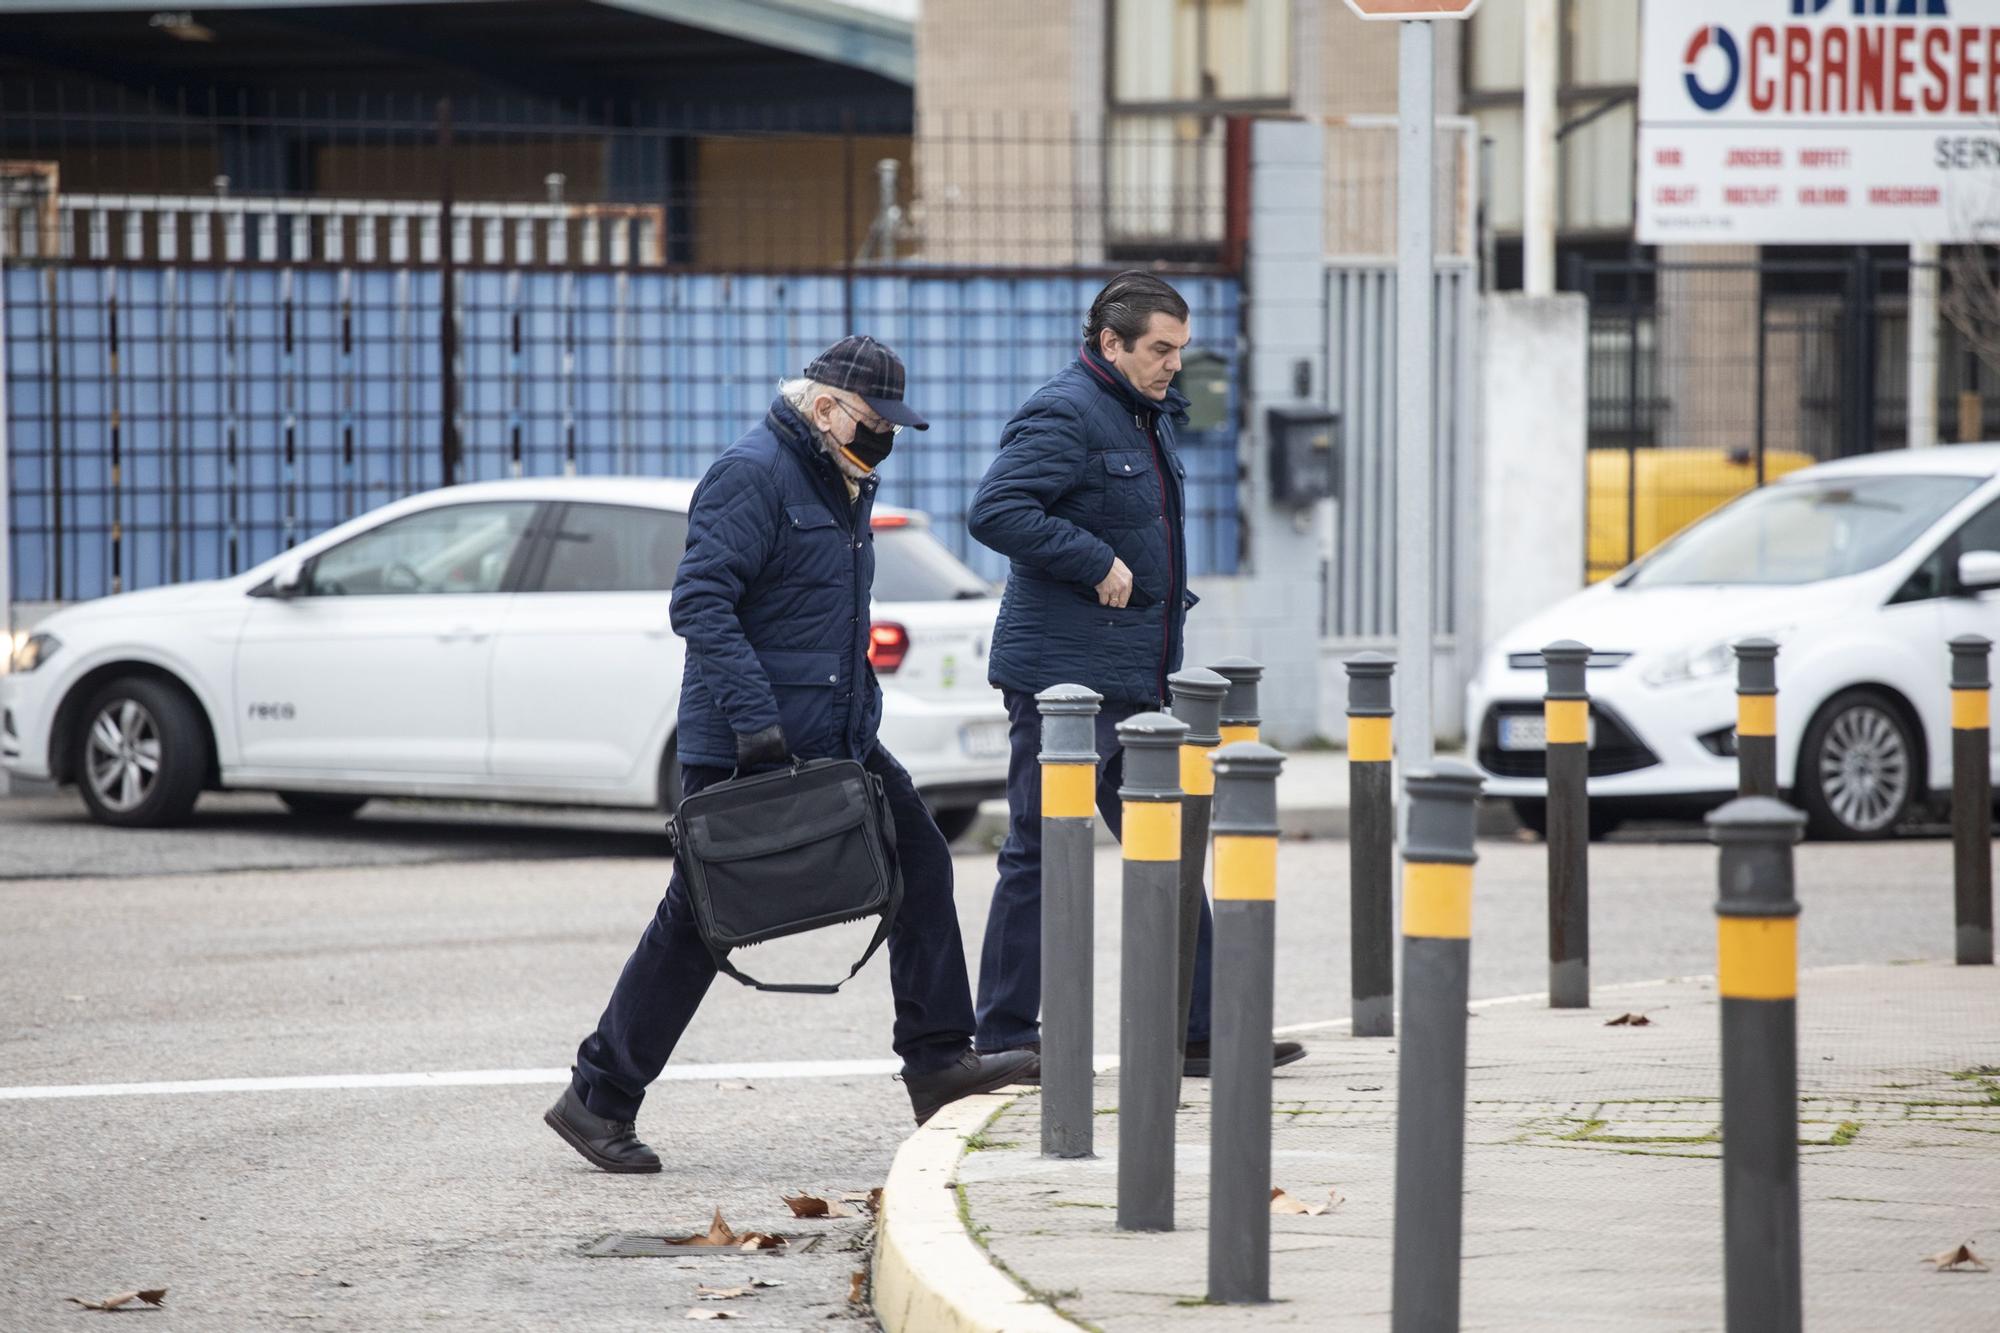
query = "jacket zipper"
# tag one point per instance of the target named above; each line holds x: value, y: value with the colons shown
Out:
x: 1173, y: 563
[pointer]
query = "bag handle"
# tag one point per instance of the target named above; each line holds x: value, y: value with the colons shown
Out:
x: 724, y: 966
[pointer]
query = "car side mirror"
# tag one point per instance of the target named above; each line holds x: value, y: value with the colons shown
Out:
x: 1979, y: 570
x: 290, y: 580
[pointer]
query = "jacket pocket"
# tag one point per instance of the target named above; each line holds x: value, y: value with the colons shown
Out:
x: 819, y: 556
x: 803, y: 684
x: 1131, y: 488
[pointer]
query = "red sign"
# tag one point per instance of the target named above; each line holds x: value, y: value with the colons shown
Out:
x: 1413, y: 9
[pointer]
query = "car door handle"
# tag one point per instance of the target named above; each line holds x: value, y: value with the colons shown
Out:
x: 463, y: 632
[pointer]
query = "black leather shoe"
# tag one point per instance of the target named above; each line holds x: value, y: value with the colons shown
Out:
x: 1282, y: 1053
x: 608, y: 1145
x: 1033, y: 1048
x: 972, y: 1074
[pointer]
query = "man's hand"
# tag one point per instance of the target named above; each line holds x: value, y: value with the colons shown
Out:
x: 1115, y: 589
x: 761, y: 749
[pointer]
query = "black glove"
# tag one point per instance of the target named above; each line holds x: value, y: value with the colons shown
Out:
x: 761, y: 749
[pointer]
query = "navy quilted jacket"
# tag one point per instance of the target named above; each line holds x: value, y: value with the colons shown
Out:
x: 772, y: 598
x: 1087, y: 470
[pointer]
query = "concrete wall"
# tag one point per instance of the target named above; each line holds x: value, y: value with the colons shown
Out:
x: 1530, y: 478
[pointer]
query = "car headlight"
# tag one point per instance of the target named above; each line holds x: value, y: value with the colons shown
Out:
x: 31, y: 650
x: 1702, y: 663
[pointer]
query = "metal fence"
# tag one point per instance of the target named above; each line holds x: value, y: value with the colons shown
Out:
x: 227, y: 331
x: 1709, y: 378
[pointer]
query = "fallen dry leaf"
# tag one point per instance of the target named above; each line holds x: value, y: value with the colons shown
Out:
x: 1282, y: 1202
x: 708, y: 1293
x: 871, y: 1199
x: 1955, y: 1258
x: 155, y: 1298
x: 759, y: 1240
x: 719, y: 1235
x: 808, y: 1205
x: 712, y: 1314
x: 1629, y: 1021
x: 854, y: 1285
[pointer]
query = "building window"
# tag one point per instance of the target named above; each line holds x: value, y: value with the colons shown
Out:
x: 1596, y: 100
x: 1177, y: 69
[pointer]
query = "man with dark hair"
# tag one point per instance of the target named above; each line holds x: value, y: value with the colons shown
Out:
x: 1087, y: 500
x: 772, y: 598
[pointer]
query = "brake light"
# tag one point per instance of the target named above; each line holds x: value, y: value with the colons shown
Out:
x: 888, y: 645
x: 881, y: 521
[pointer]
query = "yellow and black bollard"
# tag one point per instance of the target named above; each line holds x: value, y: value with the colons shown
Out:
x: 1069, y: 827
x: 1371, y: 842
x: 1197, y: 701
x: 1972, y: 797
x: 1430, y: 1080
x: 1246, y: 906
x: 1240, y: 718
x: 1757, y: 975
x: 1757, y: 718
x: 1566, y: 711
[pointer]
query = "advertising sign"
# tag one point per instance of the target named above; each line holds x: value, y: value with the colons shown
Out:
x: 1819, y: 121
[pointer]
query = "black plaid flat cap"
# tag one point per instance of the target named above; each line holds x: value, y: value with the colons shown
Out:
x: 863, y: 366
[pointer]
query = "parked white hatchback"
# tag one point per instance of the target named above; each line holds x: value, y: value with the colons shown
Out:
x: 503, y: 641
x: 1862, y: 570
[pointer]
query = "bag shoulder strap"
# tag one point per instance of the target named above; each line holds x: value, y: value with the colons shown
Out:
x: 728, y: 969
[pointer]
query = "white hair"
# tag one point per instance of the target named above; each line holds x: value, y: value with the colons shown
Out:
x: 800, y: 393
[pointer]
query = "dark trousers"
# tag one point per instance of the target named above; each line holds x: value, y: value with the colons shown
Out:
x: 667, y: 975
x: 1010, y: 963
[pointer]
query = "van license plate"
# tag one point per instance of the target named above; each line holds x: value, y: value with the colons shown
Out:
x: 983, y: 740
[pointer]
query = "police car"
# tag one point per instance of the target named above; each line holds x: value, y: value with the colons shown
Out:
x: 504, y: 641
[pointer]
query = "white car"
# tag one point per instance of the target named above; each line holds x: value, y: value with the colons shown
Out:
x: 1862, y: 570
x: 503, y: 641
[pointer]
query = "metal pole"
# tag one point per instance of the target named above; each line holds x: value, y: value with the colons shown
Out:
x: 1538, y: 148
x: 1149, y: 1051
x: 1069, y: 805
x: 1566, y: 710
x: 1972, y: 797
x: 1240, y: 718
x: 1371, y: 842
x: 1757, y: 718
x: 1757, y: 975
x: 1246, y: 906
x: 1430, y: 1079
x: 447, y: 304
x: 1415, y: 109
x: 6, y: 512
x: 1922, y: 375
x: 1197, y: 701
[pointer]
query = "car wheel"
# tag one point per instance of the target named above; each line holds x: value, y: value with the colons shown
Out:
x: 322, y: 805
x: 1534, y: 817
x: 955, y: 821
x: 1857, y: 775
x: 141, y: 754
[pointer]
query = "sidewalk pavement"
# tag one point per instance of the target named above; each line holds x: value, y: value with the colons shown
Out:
x: 1593, y: 1179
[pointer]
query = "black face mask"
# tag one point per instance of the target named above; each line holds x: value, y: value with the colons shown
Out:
x: 869, y: 446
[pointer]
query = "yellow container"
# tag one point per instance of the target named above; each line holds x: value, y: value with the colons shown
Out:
x: 1675, y: 487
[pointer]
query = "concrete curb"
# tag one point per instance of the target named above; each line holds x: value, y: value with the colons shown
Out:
x: 929, y: 1274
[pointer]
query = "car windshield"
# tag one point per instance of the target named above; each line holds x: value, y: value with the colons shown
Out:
x: 913, y: 566
x: 1802, y: 532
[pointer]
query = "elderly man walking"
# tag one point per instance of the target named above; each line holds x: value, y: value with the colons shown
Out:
x: 772, y: 598
x: 1086, y: 500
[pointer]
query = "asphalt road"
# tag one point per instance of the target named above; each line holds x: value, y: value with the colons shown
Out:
x: 334, y: 1205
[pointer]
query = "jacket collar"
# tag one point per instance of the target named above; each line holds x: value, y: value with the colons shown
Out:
x: 793, y: 432
x: 1109, y: 378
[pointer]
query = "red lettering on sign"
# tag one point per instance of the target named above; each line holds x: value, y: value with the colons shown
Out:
x: 1826, y: 197
x: 1937, y: 50
x: 1902, y: 66
x: 1751, y: 196
x: 1823, y: 157
x: 1674, y: 195
x: 1754, y: 157
x: 1968, y: 71
x: 1904, y: 196
x: 1798, y: 69
x: 1763, y: 87
x: 1868, y: 69
x: 1993, y: 69
x: 1833, y: 69
x: 1667, y: 157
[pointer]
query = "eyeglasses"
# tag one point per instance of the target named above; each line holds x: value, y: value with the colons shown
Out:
x: 893, y: 428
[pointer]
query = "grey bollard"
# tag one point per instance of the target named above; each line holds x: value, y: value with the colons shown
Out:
x: 1430, y: 1093
x: 1757, y: 718
x: 1371, y: 844
x: 1197, y: 695
x: 1757, y: 976
x: 1149, y: 1050
x: 1069, y: 807
x: 1246, y: 905
x: 1241, y: 720
x: 1972, y: 798
x: 1566, y: 710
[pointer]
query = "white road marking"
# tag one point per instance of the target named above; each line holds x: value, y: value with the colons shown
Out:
x: 451, y: 1078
